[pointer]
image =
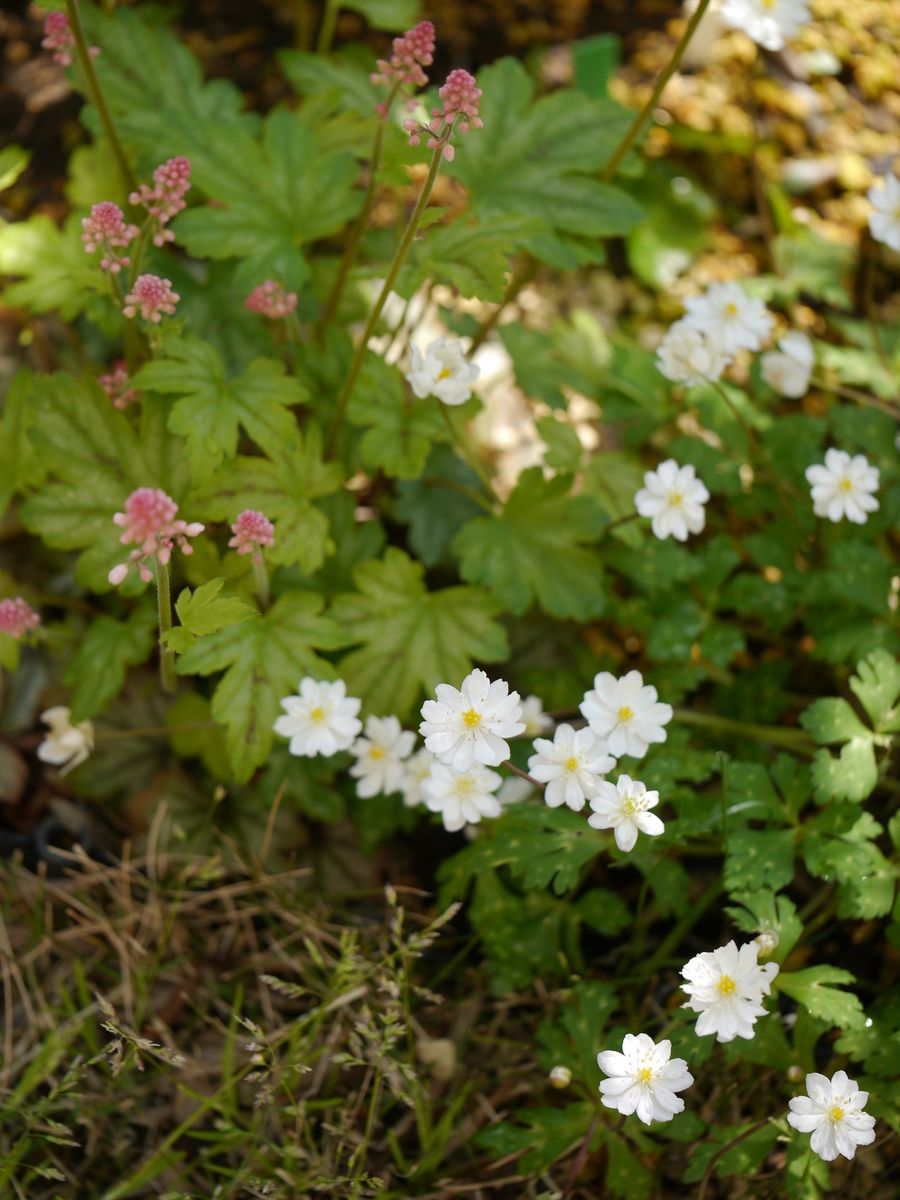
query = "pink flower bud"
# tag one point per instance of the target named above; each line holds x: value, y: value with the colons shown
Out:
x: 17, y: 618
x: 165, y: 199
x: 150, y: 519
x: 117, y: 386
x: 252, y: 530
x: 411, y: 52
x: 271, y: 300
x: 459, y: 114
x: 152, y: 296
x: 105, y: 230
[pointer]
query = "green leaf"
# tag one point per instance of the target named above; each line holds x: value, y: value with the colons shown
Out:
x: 541, y: 368
x: 851, y: 776
x: 764, y: 910
x: 412, y: 639
x: 437, y: 505
x: 386, y: 14
x: 13, y: 161
x: 832, y: 720
x: 284, y: 488
x: 212, y: 409
x: 183, y: 716
x: 877, y: 686
x: 56, y: 274
x: 626, y: 1175
x: 473, y: 257
x: 839, y: 845
x: 201, y: 612
x: 744, y: 1158
x: 546, y: 1134
x: 533, y: 551
x: 400, y: 429
x: 97, y: 672
x: 809, y: 987
x: 759, y: 858
x: 563, y: 444
x: 263, y: 661
x: 21, y: 462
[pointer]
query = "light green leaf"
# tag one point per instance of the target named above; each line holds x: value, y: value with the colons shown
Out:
x: 386, y: 14
x: 21, y: 462
x: 877, y: 685
x: 472, y: 256
x: 533, y: 550
x: 810, y: 987
x: 263, y: 661
x: 56, y: 274
x: 13, y: 161
x: 759, y: 858
x: 213, y: 410
x: 97, y: 672
x: 764, y: 910
x: 832, y: 720
x: 201, y: 612
x: 851, y: 776
x: 400, y: 429
x: 412, y: 639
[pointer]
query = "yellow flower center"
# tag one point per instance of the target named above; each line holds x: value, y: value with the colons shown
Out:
x: 445, y: 373
x: 571, y: 764
x: 726, y: 986
x: 628, y: 806
x: 625, y: 713
x: 731, y: 309
x: 376, y: 752
x: 645, y: 1075
x: 676, y: 498
x: 464, y: 786
x: 836, y: 1114
x: 317, y: 714
x: 471, y: 718
x: 846, y: 485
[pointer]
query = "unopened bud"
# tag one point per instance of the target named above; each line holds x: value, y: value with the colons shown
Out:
x: 560, y: 1077
x: 795, y: 1073
x: 767, y: 942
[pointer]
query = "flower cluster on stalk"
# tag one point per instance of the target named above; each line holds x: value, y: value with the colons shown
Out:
x: 151, y: 520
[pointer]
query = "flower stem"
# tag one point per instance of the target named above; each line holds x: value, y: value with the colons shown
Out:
x: 517, y: 280
x: 356, y: 234
x: 791, y: 739
x: 399, y: 259
x: 634, y: 129
x: 87, y: 65
x: 522, y: 774
x: 166, y: 656
x: 710, y: 1167
x: 326, y: 29
x: 261, y: 580
x: 857, y: 397
x: 468, y: 452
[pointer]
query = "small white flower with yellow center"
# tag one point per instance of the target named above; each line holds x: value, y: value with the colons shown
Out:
x: 570, y: 766
x: 625, y: 713
x: 462, y: 797
x: 320, y: 720
x: 535, y: 719
x: 727, y: 314
x: 470, y: 725
x: 379, y: 755
x: 673, y: 497
x: 843, y: 487
x: 66, y: 745
x: 884, y: 222
x: 442, y: 371
x: 787, y: 369
x: 624, y: 808
x: 690, y: 356
x: 726, y: 987
x: 415, y: 771
x: 767, y: 22
x: 833, y: 1112
x: 644, y: 1078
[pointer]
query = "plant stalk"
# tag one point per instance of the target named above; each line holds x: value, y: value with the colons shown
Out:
x: 87, y: 65
x: 164, y: 599
x: 634, y: 129
x: 399, y: 259
x: 261, y: 582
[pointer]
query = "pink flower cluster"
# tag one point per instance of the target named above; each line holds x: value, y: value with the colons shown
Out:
x: 413, y: 51
x: 252, y: 530
x: 60, y: 40
x: 117, y: 385
x: 270, y: 299
x: 152, y: 296
x: 150, y: 520
x: 105, y: 230
x: 461, y: 96
x: 17, y: 618
x: 163, y: 201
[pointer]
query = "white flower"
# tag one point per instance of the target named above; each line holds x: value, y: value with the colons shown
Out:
x: 884, y: 222
x: 767, y: 22
x: 379, y: 757
x: 536, y: 720
x: 321, y: 720
x: 733, y: 319
x: 843, y: 487
x: 643, y: 1079
x: 514, y: 789
x: 416, y: 771
x: 689, y: 355
x: 66, y: 745
x: 726, y: 987
x: 673, y: 497
x: 470, y: 725
x: 833, y: 1113
x: 570, y: 766
x: 625, y: 713
x: 623, y: 808
x: 462, y: 797
x: 788, y: 368
x: 442, y: 371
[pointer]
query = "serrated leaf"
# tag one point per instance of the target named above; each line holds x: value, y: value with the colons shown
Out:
x: 810, y: 987
x: 263, y: 661
x: 744, y: 1158
x: 832, y: 720
x: 97, y: 672
x: 20, y: 460
x: 54, y: 273
x: 764, y: 910
x: 534, y: 550
x: 564, y: 449
x: 412, y: 639
x: 759, y: 858
x: 473, y: 257
x: 851, y: 776
x: 400, y: 429
x: 437, y: 505
x: 546, y: 1134
x: 202, y: 612
x: 213, y: 409
x: 877, y: 685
